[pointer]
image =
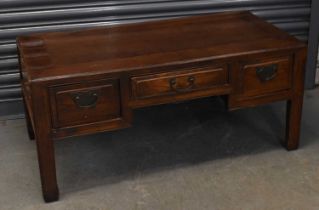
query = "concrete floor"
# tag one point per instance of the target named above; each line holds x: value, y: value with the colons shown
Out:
x: 193, y: 155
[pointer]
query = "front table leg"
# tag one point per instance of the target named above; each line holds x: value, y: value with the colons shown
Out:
x: 46, y: 159
x: 293, y: 124
x: 45, y: 143
x: 294, y: 105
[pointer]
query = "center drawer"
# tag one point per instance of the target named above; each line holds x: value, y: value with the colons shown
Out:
x: 180, y: 81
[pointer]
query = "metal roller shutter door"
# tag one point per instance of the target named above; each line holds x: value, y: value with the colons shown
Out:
x: 19, y: 17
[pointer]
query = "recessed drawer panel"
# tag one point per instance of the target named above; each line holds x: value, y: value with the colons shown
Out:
x: 179, y: 82
x: 85, y: 103
x: 266, y: 76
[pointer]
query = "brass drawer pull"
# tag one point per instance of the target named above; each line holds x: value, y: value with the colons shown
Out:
x: 267, y: 73
x: 85, y: 99
x: 174, y: 87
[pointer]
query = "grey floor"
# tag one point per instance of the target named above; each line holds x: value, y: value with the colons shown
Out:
x: 192, y: 155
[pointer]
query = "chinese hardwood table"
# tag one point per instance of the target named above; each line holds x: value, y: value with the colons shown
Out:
x: 89, y: 81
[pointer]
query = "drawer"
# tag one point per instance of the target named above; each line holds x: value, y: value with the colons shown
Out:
x: 266, y: 76
x: 179, y: 81
x: 85, y: 103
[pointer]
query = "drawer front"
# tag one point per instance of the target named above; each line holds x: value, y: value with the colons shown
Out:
x: 266, y: 76
x: 85, y: 103
x: 179, y: 82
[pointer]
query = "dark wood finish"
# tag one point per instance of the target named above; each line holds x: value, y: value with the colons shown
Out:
x: 28, y: 121
x: 26, y: 97
x: 279, y: 79
x: 84, y: 103
x: 45, y: 147
x: 294, y: 104
x: 177, y: 82
x: 89, y: 81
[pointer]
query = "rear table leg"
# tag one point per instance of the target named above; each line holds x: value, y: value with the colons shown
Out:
x: 29, y: 126
x: 28, y: 121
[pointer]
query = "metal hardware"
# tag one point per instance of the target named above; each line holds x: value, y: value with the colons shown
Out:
x: 267, y: 73
x: 191, y: 83
x: 85, y: 99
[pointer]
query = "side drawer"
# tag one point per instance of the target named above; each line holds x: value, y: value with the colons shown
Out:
x: 84, y: 103
x: 180, y: 81
x: 266, y: 76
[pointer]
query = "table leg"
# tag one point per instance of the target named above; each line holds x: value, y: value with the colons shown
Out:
x: 293, y: 123
x: 46, y: 159
x: 294, y: 104
x: 45, y: 143
x: 28, y: 121
x: 29, y: 126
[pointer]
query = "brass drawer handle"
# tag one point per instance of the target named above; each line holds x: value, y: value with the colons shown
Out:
x: 267, y: 73
x: 174, y: 87
x: 85, y: 99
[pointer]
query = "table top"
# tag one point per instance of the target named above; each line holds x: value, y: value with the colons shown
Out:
x: 143, y: 45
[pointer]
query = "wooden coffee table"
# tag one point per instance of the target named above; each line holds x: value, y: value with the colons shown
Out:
x: 89, y: 81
